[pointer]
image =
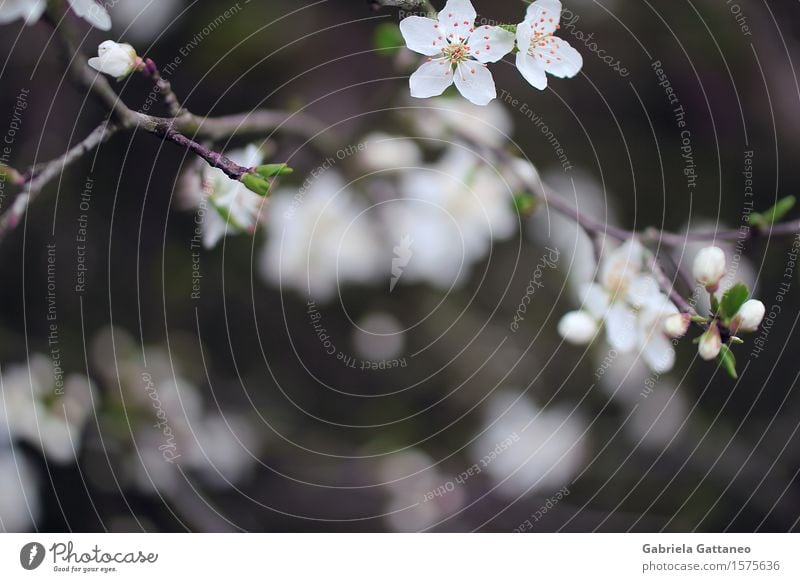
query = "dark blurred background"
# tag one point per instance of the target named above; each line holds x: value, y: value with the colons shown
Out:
x: 319, y: 459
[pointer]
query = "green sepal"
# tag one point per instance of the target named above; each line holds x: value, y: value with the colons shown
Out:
x: 525, y: 203
x: 727, y: 360
x: 256, y: 183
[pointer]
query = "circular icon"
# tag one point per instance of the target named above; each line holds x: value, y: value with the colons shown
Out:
x: 31, y: 555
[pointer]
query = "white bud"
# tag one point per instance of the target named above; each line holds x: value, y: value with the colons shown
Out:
x: 677, y: 325
x: 577, y: 327
x: 749, y: 316
x: 709, y: 267
x: 710, y: 343
x: 115, y: 59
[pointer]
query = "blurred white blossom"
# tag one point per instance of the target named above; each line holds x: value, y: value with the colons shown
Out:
x: 445, y: 118
x: 410, y: 479
x: 453, y: 211
x: 384, y: 151
x: 19, y: 492
x: 550, y: 450
x: 31, y: 10
x: 320, y: 237
x: 223, y: 206
x: 46, y: 409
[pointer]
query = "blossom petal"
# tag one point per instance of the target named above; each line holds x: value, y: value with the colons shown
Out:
x: 595, y: 299
x: 30, y: 11
x: 657, y: 350
x: 557, y: 57
x: 422, y: 35
x: 458, y: 18
x: 531, y: 70
x: 621, y: 327
x: 92, y: 12
x: 621, y: 266
x: 475, y: 82
x: 489, y: 44
x: 542, y: 17
x: 431, y: 79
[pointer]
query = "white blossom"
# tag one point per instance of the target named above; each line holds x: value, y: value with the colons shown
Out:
x: 320, y: 235
x: 677, y: 324
x: 46, y: 409
x: 31, y: 10
x: 223, y: 206
x: 458, y: 52
x: 631, y: 307
x: 445, y: 117
x: 749, y: 316
x: 453, y: 210
x: 115, y: 59
x: 540, y: 51
x: 145, y: 21
x: 530, y: 449
x: 709, y: 267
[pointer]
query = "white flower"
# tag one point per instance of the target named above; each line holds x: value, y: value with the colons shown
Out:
x: 383, y: 152
x: 45, y: 409
x: 524, y: 448
x: 28, y: 10
x: 577, y: 327
x: 490, y: 125
x: 630, y: 305
x: 540, y: 51
x: 749, y: 316
x: 32, y: 10
x: 319, y: 236
x: 457, y: 50
x: 19, y: 496
x: 115, y: 59
x: 224, y: 206
x: 709, y: 267
x: 710, y: 343
x: 452, y: 210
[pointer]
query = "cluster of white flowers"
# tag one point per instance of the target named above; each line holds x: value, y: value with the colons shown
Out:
x: 429, y: 224
x: 628, y: 302
x: 31, y: 11
x: 459, y: 52
x: 223, y: 206
x: 525, y: 448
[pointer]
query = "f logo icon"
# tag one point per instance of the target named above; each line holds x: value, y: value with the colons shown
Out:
x: 31, y: 555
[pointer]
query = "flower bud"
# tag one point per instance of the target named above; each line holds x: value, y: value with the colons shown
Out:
x: 272, y: 170
x: 749, y: 316
x: 709, y: 267
x: 710, y: 343
x: 577, y: 327
x: 115, y: 59
x: 677, y: 325
x: 256, y: 183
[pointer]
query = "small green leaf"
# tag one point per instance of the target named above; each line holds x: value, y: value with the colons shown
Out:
x: 10, y: 174
x: 387, y: 38
x: 774, y: 214
x: 727, y: 360
x: 272, y: 170
x: 508, y: 27
x: 733, y: 299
